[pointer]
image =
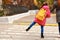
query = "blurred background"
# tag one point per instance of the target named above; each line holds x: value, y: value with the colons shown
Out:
x: 12, y: 7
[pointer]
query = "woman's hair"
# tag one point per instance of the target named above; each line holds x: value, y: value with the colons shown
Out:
x: 58, y: 2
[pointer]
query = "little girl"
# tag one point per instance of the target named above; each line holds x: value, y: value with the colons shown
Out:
x: 41, y: 23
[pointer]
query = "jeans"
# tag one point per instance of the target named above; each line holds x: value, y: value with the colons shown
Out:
x: 42, y: 27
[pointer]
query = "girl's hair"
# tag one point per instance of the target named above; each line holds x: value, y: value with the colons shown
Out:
x: 44, y: 4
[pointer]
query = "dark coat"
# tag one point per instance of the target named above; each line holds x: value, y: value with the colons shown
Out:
x: 57, y: 7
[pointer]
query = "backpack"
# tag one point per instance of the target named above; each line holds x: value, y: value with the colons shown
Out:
x: 41, y: 14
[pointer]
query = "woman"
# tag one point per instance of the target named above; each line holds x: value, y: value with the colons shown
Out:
x: 42, y: 23
x: 57, y: 7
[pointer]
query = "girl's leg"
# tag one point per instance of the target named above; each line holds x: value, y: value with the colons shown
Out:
x: 33, y: 23
x: 59, y: 27
x: 42, y: 31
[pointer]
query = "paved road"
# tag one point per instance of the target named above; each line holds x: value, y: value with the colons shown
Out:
x: 17, y: 32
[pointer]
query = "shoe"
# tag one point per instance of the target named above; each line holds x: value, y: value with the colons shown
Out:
x: 42, y: 36
x: 27, y: 29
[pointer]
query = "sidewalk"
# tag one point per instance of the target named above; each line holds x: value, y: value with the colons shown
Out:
x: 17, y: 32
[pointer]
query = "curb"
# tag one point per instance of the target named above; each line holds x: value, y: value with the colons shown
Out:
x: 53, y: 14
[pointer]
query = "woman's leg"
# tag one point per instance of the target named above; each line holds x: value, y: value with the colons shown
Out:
x: 33, y: 23
x: 42, y: 31
x: 59, y: 27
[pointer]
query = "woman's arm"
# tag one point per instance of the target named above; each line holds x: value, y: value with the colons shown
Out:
x: 53, y: 8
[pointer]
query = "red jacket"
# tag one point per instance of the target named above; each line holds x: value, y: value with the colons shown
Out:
x: 47, y: 16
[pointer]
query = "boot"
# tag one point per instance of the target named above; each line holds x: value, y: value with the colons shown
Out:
x: 42, y: 36
x: 28, y: 29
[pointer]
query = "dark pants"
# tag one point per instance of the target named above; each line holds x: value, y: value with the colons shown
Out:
x: 59, y: 26
x: 42, y: 27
